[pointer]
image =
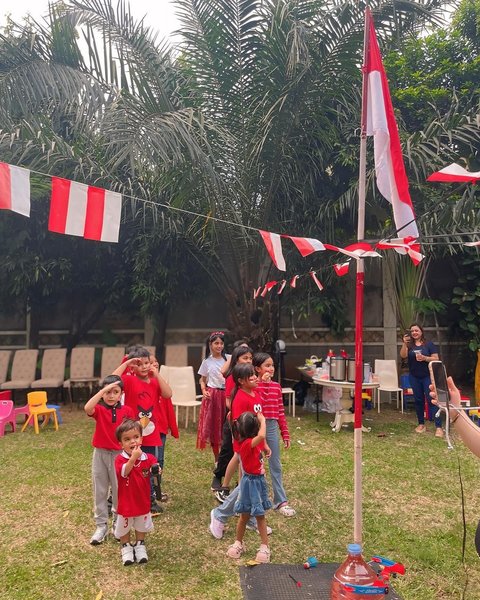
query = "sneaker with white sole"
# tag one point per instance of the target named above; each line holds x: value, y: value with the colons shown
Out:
x: 99, y: 535
x: 128, y: 556
x: 236, y: 550
x: 251, y: 527
x: 141, y: 556
x: 216, y: 527
x: 222, y: 494
x: 216, y: 484
x: 285, y: 510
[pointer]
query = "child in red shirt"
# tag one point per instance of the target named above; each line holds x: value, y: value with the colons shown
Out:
x: 108, y: 412
x: 249, y: 431
x: 133, y: 467
x: 143, y: 390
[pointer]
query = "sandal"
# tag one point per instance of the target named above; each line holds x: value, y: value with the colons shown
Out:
x: 236, y: 550
x: 286, y: 511
x: 439, y: 432
x: 421, y: 428
x: 263, y: 555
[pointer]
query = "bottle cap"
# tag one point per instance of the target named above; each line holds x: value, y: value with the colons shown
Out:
x: 354, y: 549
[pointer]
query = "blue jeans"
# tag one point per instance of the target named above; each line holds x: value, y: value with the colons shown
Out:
x: 274, y: 463
x: 420, y: 388
x: 226, y: 509
x: 159, y: 453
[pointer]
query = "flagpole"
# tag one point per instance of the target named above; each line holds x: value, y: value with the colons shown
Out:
x: 359, y: 294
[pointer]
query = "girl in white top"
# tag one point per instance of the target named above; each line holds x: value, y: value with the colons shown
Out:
x: 212, y: 383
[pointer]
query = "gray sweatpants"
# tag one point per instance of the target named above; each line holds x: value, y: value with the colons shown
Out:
x: 104, y: 479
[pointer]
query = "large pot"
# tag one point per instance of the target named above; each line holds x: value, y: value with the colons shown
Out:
x: 337, y: 368
x: 350, y: 371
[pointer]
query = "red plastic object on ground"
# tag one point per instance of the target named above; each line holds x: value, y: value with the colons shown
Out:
x: 354, y: 572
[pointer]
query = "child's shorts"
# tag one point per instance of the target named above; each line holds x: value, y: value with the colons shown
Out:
x: 143, y: 523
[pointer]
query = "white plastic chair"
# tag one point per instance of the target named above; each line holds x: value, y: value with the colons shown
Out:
x: 182, y: 382
x: 386, y: 371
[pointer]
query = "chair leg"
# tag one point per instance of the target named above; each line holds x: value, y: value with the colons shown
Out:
x: 186, y: 417
x: 35, y: 424
x: 55, y: 420
x: 27, y: 421
x: 401, y: 400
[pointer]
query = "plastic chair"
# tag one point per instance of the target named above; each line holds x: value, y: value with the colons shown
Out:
x: 53, y: 369
x: 23, y: 370
x: 37, y: 403
x: 386, y: 370
x: 7, y: 416
x: 290, y: 394
x: 407, y: 390
x: 182, y: 382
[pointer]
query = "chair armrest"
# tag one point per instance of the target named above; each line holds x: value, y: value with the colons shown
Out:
x: 198, y: 396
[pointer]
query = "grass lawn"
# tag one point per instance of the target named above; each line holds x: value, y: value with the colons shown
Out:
x: 412, y: 512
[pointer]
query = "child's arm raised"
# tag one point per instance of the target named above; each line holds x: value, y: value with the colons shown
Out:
x: 136, y: 454
x: 94, y: 400
x: 262, y: 432
x: 165, y: 389
x: 120, y: 370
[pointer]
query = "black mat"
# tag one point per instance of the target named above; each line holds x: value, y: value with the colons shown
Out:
x: 272, y: 582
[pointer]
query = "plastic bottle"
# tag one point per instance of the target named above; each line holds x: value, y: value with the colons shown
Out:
x: 353, y: 570
x: 329, y: 355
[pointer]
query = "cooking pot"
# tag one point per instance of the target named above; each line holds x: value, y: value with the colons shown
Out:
x: 366, y: 371
x: 337, y: 368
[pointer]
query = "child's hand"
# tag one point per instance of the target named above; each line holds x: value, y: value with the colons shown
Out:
x: 260, y: 417
x: 137, y: 452
x: 286, y: 443
x: 206, y: 393
x: 267, y: 451
x: 109, y: 386
x: 266, y: 377
x: 153, y: 371
x: 133, y: 362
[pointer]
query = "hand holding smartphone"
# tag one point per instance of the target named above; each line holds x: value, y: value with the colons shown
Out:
x: 438, y: 375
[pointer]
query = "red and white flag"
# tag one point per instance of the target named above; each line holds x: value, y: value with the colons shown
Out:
x: 341, y: 269
x: 293, y: 281
x: 274, y: 246
x: 406, y: 245
x: 283, y: 283
x: 307, y: 246
x: 390, y: 171
x: 268, y: 286
x: 313, y: 275
x: 454, y: 174
x: 84, y: 210
x: 15, y: 189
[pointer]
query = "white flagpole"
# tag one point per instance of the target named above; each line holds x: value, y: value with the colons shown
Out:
x: 359, y: 293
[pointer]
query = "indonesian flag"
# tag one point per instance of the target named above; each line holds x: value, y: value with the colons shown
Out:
x: 341, y: 269
x: 15, y: 189
x: 454, y: 173
x: 356, y: 251
x: 406, y: 245
x: 268, y: 286
x: 307, y: 246
x: 283, y: 283
x: 293, y: 281
x: 390, y: 171
x: 84, y: 210
x: 313, y: 275
x: 274, y: 246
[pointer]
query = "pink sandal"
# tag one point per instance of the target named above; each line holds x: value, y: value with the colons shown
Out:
x: 263, y: 554
x: 236, y: 550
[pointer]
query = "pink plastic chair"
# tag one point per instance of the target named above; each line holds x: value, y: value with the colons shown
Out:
x: 6, y: 416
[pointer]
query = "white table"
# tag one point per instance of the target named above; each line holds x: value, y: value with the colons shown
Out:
x: 344, y: 415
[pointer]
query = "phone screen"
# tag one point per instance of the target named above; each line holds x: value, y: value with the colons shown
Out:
x: 439, y: 380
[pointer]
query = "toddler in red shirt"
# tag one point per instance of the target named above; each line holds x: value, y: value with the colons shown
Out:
x: 108, y: 412
x: 133, y: 468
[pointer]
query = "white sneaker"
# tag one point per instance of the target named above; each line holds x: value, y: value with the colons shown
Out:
x: 140, y: 553
x: 114, y: 524
x: 128, y: 557
x: 99, y: 535
x: 216, y: 527
x: 251, y: 527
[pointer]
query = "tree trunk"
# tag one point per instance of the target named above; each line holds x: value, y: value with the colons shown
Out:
x: 79, y: 328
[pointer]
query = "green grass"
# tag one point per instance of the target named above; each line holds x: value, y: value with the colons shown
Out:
x: 411, y: 512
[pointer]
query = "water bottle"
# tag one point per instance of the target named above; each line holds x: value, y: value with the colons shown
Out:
x: 354, y: 571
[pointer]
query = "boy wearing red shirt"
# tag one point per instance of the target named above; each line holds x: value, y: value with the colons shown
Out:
x: 108, y: 412
x: 143, y: 390
x: 133, y: 468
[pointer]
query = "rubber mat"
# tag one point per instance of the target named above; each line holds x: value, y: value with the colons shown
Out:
x: 274, y: 582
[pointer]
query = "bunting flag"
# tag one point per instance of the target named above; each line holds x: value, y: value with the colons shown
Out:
x: 15, y: 189
x: 256, y: 292
x: 268, y: 286
x: 390, y: 171
x: 342, y: 269
x: 406, y: 245
x: 84, y: 210
x: 282, y: 285
x: 306, y: 246
x: 274, y: 247
x: 293, y: 281
x: 454, y: 173
x: 472, y: 244
x: 313, y: 275
x: 356, y: 251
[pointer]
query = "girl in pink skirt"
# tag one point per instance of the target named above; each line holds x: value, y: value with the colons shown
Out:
x: 212, y: 383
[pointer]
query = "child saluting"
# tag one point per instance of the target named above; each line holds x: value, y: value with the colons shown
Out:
x: 133, y: 467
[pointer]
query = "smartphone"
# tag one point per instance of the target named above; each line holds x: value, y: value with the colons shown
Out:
x: 438, y: 376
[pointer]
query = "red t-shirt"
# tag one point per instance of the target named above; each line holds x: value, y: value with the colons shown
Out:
x: 168, y: 420
x: 252, y: 458
x: 134, y: 490
x: 229, y: 386
x: 243, y: 402
x: 143, y: 397
x: 104, y: 435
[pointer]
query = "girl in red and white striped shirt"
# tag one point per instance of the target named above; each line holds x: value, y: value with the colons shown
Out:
x: 273, y: 410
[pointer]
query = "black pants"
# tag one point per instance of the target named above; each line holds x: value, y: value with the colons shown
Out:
x: 226, y: 451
